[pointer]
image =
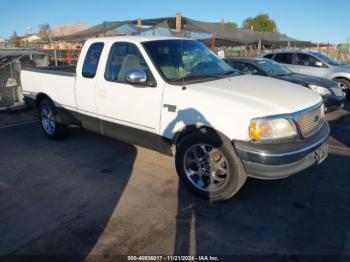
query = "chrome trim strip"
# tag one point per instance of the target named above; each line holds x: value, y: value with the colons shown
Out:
x: 301, y: 150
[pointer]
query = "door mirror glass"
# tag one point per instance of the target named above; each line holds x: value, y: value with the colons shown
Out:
x: 136, y: 76
x: 318, y: 64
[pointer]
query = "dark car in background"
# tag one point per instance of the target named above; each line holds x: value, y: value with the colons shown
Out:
x: 332, y: 94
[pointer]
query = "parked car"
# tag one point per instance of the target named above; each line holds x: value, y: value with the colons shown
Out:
x: 333, y: 95
x: 314, y: 63
x: 176, y: 96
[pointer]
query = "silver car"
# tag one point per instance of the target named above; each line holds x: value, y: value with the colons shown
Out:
x: 314, y: 63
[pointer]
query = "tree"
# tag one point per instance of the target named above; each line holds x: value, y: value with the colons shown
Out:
x: 44, y: 29
x: 231, y: 24
x: 14, y: 39
x: 261, y: 22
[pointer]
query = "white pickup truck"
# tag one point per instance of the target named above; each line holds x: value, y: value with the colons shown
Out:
x: 176, y: 96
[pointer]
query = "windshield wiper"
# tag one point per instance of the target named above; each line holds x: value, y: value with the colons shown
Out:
x: 194, y: 77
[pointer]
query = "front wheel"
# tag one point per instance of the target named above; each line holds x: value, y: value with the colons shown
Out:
x: 48, y: 120
x: 207, y: 163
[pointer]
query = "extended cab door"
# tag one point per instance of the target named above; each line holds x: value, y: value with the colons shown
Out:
x: 127, y: 111
x: 85, y: 86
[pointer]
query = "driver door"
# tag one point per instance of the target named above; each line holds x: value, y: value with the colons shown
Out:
x: 123, y: 105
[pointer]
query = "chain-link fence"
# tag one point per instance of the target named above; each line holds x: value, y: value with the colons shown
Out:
x: 10, y: 87
x: 12, y: 60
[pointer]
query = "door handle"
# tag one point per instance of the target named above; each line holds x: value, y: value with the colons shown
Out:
x: 101, y: 93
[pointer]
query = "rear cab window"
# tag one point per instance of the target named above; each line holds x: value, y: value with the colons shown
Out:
x: 91, y: 60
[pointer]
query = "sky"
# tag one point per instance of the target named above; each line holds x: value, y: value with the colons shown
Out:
x: 310, y: 20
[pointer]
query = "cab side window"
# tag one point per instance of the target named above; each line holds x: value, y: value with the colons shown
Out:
x: 92, y: 59
x: 122, y: 58
x: 284, y: 58
x: 245, y: 68
x: 306, y: 60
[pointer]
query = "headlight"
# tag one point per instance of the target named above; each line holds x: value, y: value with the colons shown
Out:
x: 271, y: 129
x: 319, y: 89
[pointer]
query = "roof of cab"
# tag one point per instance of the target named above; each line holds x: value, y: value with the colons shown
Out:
x: 139, y: 39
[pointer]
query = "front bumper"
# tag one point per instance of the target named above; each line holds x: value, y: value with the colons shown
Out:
x: 274, y: 161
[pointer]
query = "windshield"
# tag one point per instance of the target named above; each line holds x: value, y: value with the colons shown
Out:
x: 326, y: 58
x: 185, y: 60
x: 273, y: 68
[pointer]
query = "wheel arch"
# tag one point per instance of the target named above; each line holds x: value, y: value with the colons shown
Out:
x: 341, y: 77
x: 190, y: 129
x: 40, y: 97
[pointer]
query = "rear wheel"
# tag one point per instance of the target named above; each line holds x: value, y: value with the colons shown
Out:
x: 345, y: 85
x: 207, y: 163
x: 48, y: 120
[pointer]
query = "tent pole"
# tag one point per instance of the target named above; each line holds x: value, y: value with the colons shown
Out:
x: 213, y: 41
x: 139, y: 24
x: 259, y: 48
x: 222, y: 27
x: 104, y: 29
x: 178, y: 23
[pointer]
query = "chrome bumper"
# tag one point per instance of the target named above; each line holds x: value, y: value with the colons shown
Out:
x: 274, y: 161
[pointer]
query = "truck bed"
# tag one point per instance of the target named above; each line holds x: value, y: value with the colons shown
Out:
x: 55, y: 70
x: 58, y: 83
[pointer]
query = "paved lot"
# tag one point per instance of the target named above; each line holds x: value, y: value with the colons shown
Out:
x: 91, y: 195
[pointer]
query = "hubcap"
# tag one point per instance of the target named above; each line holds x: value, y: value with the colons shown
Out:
x: 47, y: 120
x: 206, y: 167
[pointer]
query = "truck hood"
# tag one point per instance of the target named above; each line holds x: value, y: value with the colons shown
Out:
x: 266, y: 95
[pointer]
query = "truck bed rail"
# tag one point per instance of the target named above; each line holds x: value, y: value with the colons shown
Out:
x: 55, y: 70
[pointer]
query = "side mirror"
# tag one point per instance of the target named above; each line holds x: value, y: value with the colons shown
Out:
x: 136, y: 76
x: 318, y: 64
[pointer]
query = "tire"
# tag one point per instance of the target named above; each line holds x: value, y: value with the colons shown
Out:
x: 48, y: 120
x: 224, y: 181
x: 346, y: 84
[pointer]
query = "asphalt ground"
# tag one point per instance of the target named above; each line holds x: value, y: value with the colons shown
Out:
x: 89, y: 195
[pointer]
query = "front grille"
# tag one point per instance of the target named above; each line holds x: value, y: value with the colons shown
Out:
x: 337, y: 91
x: 309, y: 122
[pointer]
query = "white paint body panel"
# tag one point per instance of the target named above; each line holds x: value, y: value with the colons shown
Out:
x: 60, y: 88
x: 226, y: 105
